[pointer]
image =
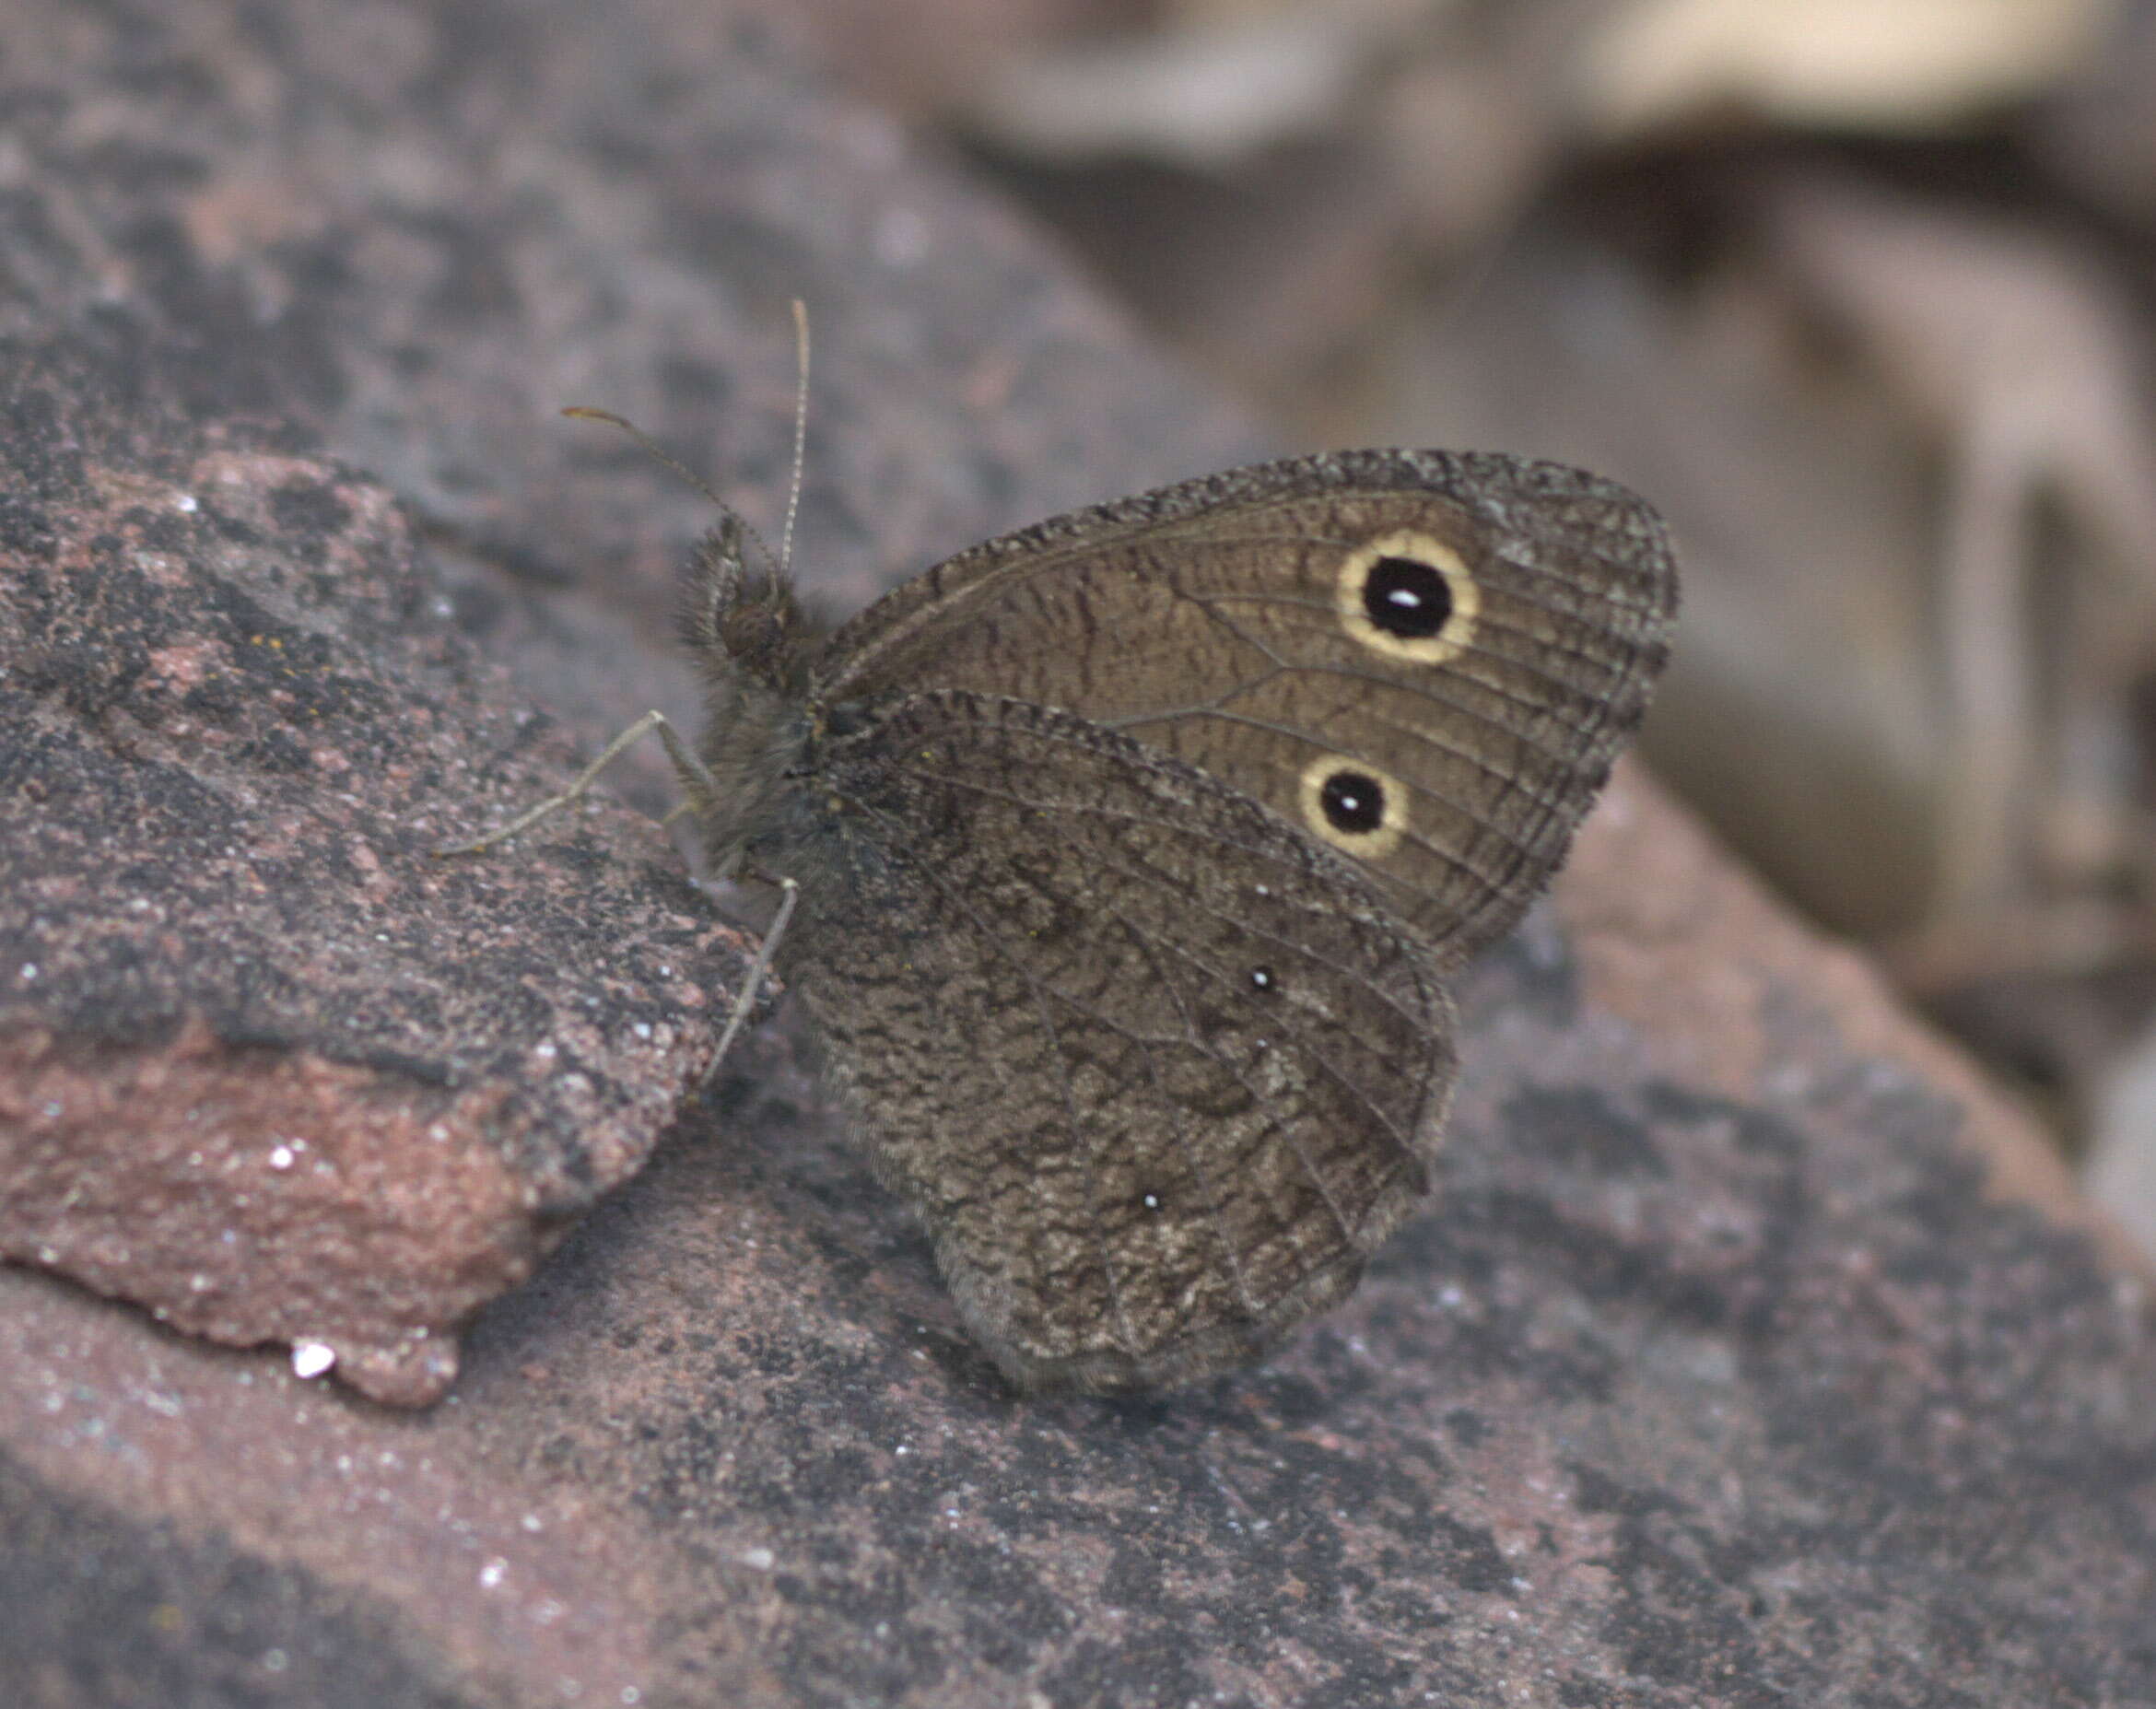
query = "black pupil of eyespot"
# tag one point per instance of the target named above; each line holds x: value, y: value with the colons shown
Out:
x: 1353, y: 801
x: 1406, y: 597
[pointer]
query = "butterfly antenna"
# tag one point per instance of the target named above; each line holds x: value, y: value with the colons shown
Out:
x: 584, y: 413
x: 801, y: 347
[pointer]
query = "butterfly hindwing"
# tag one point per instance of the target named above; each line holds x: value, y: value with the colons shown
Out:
x: 1157, y: 1069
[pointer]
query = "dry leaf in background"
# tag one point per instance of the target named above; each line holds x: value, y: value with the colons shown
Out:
x: 1205, y: 91
x: 1875, y: 65
x: 1257, y: 176
x: 2021, y: 358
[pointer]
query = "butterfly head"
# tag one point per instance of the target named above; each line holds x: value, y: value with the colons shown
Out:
x: 744, y: 622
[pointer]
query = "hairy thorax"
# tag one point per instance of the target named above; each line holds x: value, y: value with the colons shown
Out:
x: 756, y: 743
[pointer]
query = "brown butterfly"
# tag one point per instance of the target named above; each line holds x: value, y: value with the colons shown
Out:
x: 1135, y: 853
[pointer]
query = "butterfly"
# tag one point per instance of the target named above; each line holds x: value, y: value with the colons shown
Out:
x: 1135, y: 852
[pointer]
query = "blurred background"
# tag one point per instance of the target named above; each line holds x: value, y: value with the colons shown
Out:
x: 1859, y: 292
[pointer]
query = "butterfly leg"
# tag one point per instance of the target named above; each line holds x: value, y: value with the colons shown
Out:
x: 754, y: 982
x: 696, y: 783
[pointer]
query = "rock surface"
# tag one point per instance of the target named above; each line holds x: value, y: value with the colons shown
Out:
x: 267, y: 1065
x: 1752, y: 1353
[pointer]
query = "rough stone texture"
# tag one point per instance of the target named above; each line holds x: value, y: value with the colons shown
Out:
x: 267, y: 1066
x: 1753, y: 1356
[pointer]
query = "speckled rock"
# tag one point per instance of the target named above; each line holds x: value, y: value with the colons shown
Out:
x: 269, y: 1067
x: 1753, y: 1354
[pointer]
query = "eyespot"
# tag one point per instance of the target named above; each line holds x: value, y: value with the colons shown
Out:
x: 1409, y: 595
x: 1354, y: 806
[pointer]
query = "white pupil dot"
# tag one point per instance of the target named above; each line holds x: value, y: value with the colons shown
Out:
x: 1404, y: 596
x: 1261, y: 978
x: 1151, y: 1202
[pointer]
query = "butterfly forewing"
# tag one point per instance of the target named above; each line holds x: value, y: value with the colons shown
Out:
x: 1157, y: 1069
x: 1425, y: 661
